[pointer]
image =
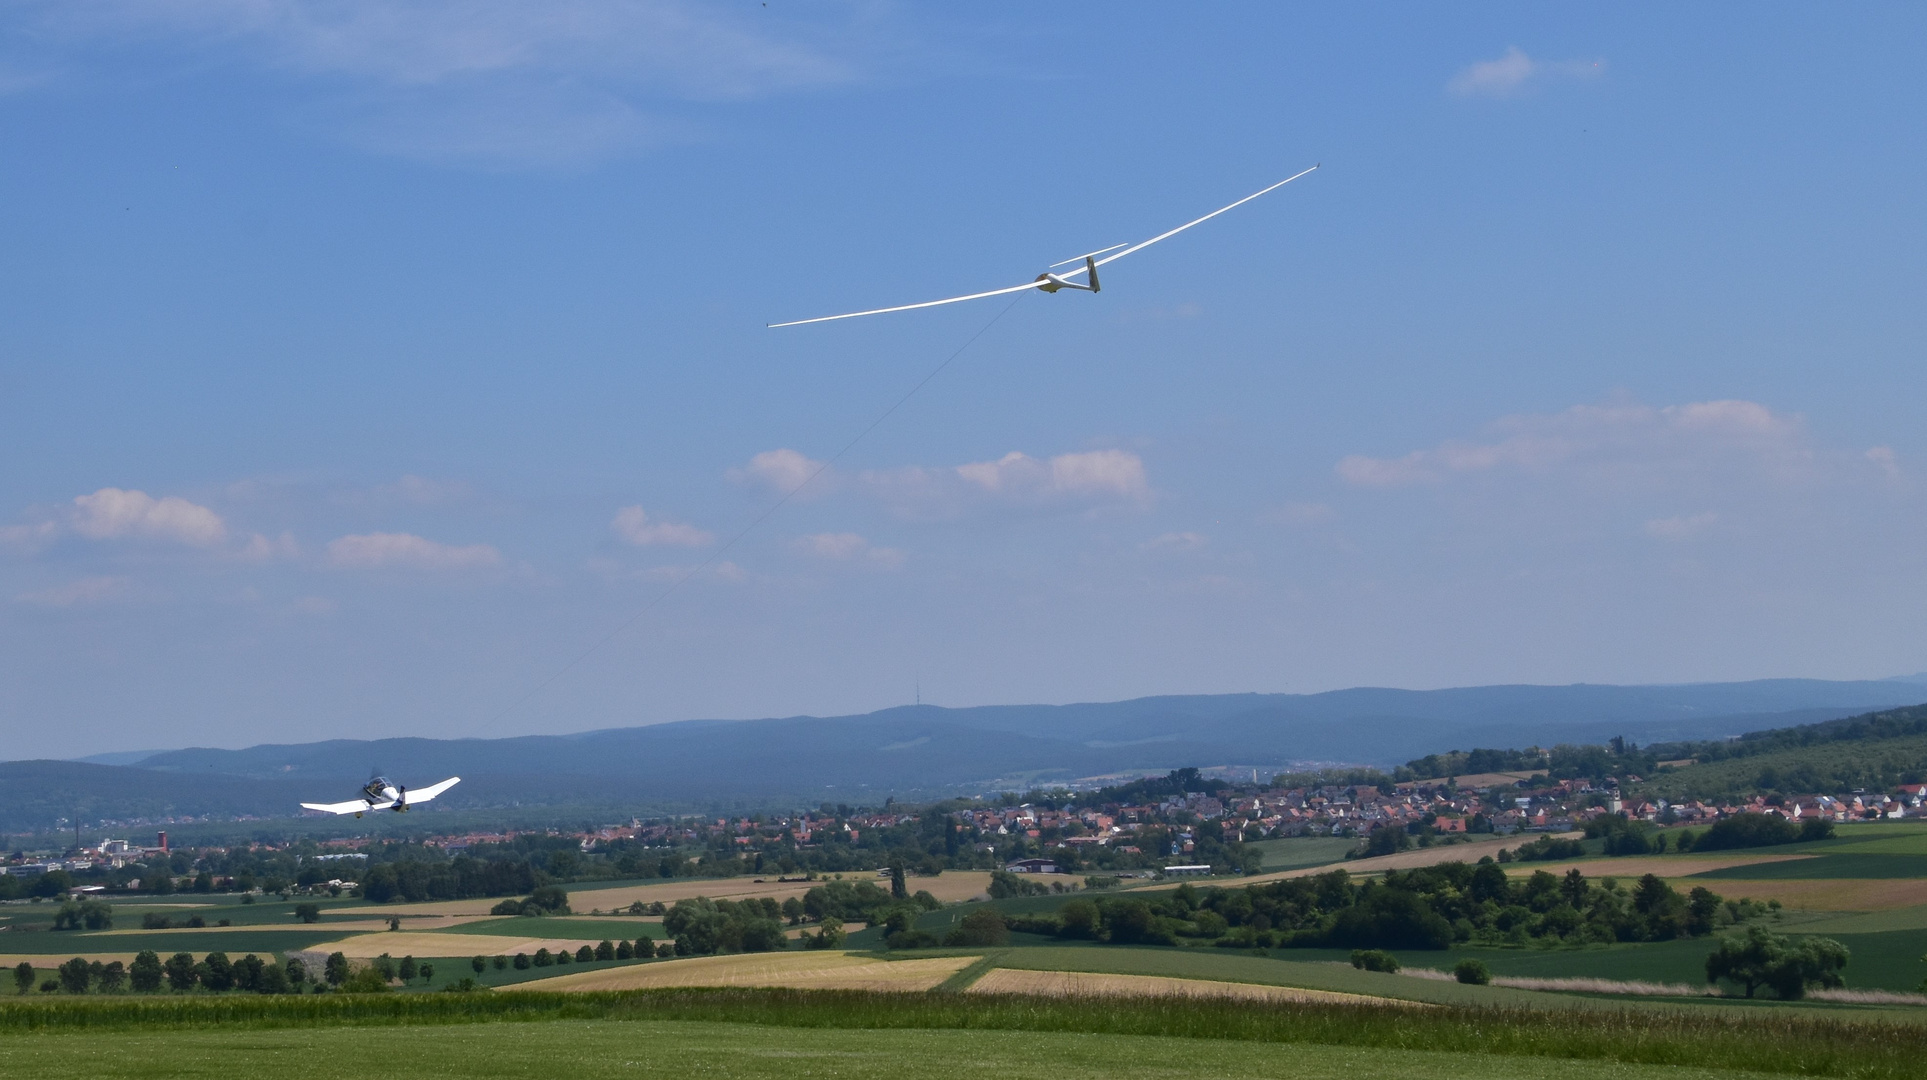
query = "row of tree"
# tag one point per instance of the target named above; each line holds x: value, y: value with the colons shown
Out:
x: 1427, y: 908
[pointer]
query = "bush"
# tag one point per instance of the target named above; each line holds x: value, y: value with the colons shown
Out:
x: 982, y: 928
x: 911, y: 939
x: 365, y: 980
x: 154, y: 920
x: 1374, y: 960
x: 1473, y: 972
x: 308, y: 913
x: 1004, y: 885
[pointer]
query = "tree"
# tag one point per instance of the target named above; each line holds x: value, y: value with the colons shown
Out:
x: 75, y: 975
x: 624, y: 950
x: 335, y: 970
x: 898, y: 889
x: 145, y: 976
x: 308, y: 913
x: 180, y: 971
x: 220, y: 972
x: 408, y: 970
x: 23, y: 976
x: 480, y: 964
x: 551, y: 899
x: 605, y: 950
x: 1747, y: 830
x: 522, y: 961
x: 297, y: 974
x: 111, y: 977
x: 273, y: 979
x: 1763, y: 958
x: 793, y: 910
x: 92, y: 914
x: 428, y: 972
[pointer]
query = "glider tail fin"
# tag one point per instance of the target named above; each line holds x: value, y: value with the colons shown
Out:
x: 1090, y: 266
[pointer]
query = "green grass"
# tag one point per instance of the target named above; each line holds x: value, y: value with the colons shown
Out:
x: 241, y: 939
x: 785, y: 1033
x: 647, y: 1050
x: 1291, y: 853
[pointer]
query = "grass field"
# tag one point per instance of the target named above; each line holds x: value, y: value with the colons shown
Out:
x: 614, y: 928
x: 1291, y: 853
x: 1856, y: 862
x: 640, y: 1050
x: 918, y: 1034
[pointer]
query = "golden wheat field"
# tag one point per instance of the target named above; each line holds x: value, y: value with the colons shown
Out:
x: 807, y: 970
x: 1094, y: 984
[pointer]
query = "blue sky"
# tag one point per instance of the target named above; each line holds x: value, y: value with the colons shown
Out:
x: 366, y: 370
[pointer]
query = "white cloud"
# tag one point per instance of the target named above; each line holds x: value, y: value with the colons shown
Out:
x: 635, y: 527
x: 1016, y: 479
x: 260, y: 548
x: 1516, y: 73
x: 84, y: 592
x: 112, y: 513
x: 784, y: 471
x: 1176, y: 541
x: 1884, y: 458
x: 406, y: 551
x: 1680, y: 528
x: 558, y: 82
x: 29, y: 538
x: 1623, y: 438
x: 849, y: 546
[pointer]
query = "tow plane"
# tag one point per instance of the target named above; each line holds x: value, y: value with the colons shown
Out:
x: 1052, y: 282
x: 382, y: 794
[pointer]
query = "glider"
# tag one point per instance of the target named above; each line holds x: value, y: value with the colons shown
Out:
x: 1049, y: 282
x: 381, y: 794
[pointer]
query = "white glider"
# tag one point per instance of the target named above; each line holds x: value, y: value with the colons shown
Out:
x: 380, y: 794
x: 1049, y: 282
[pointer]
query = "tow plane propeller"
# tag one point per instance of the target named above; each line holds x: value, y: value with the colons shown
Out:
x: 1050, y: 282
x: 382, y: 794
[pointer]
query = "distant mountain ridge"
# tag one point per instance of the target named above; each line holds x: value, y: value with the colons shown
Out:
x: 924, y: 751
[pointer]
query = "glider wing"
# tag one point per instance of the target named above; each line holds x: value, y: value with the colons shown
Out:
x: 1068, y: 274
x: 422, y: 795
x: 913, y: 307
x: 354, y: 806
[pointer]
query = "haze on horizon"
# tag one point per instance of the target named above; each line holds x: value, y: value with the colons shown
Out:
x: 362, y: 367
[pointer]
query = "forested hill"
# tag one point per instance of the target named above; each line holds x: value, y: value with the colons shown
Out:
x: 927, y: 751
x: 1875, y: 751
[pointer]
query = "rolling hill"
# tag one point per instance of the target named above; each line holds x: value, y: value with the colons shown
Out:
x: 922, y: 751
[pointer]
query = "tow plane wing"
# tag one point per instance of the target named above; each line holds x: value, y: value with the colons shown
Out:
x: 1050, y: 282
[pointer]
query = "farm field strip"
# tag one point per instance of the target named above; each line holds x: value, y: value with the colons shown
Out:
x: 428, y: 943
x: 1099, y: 984
x: 809, y: 970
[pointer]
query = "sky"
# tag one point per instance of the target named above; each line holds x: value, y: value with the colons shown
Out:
x: 402, y: 369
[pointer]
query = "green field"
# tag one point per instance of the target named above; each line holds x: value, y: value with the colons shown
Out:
x: 1294, y: 852
x: 591, y: 1050
x: 757, y: 1032
x: 1828, y: 865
